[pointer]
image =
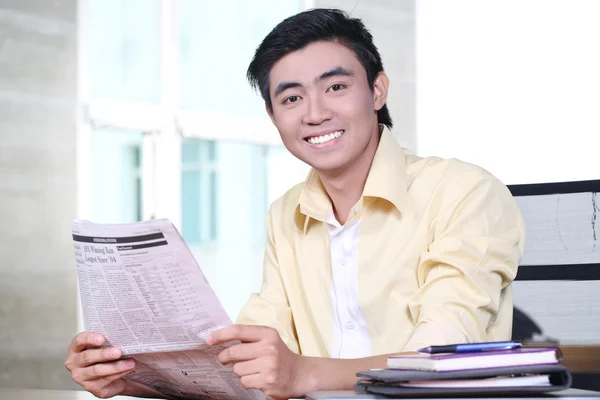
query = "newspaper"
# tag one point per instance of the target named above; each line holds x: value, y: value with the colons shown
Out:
x: 142, y: 289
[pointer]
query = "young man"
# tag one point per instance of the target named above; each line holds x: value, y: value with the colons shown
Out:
x: 377, y: 252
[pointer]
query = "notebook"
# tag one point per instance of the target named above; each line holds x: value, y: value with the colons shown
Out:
x: 494, y: 381
x: 467, y: 361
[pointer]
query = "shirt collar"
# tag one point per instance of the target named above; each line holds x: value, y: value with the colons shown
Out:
x: 386, y: 180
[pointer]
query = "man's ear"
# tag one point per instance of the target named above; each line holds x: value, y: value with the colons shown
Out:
x: 380, y: 90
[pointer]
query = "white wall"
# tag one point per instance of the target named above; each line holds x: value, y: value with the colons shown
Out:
x: 511, y: 85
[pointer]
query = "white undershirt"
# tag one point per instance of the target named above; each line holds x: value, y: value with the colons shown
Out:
x: 351, y: 338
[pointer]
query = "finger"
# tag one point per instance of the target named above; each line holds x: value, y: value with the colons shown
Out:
x: 108, y: 386
x: 251, y: 381
x: 93, y: 356
x: 84, y: 340
x: 244, y: 333
x: 96, y: 371
x: 246, y: 368
x: 113, y: 389
x: 240, y: 352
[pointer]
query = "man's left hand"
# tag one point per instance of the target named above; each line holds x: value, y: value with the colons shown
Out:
x: 262, y: 360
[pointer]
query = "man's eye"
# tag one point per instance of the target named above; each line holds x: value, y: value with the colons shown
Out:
x: 291, y: 99
x: 336, y: 87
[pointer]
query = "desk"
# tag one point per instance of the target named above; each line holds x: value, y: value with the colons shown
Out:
x: 585, y: 359
x: 38, y: 394
x: 570, y: 394
x: 30, y: 394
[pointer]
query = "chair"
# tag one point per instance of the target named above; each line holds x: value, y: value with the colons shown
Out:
x: 557, y: 290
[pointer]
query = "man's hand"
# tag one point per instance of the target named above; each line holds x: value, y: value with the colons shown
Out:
x: 263, y: 361
x: 96, y: 369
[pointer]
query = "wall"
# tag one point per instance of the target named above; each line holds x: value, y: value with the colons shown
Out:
x: 392, y: 24
x: 511, y: 85
x: 37, y: 190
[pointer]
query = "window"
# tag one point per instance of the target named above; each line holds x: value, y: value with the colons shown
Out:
x: 124, y: 49
x: 217, y: 40
x: 117, y: 175
x: 295, y: 171
x: 173, y: 130
x: 199, y: 191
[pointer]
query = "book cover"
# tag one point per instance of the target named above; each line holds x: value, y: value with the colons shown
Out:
x: 485, y: 359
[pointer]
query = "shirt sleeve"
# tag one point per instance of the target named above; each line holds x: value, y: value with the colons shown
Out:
x: 270, y: 307
x: 464, y: 276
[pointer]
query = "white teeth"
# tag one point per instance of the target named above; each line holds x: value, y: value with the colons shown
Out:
x: 325, y: 138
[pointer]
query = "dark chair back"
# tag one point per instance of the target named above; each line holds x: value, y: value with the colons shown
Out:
x: 557, y: 290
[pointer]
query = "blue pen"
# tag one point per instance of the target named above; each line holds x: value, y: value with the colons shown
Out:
x: 471, y: 347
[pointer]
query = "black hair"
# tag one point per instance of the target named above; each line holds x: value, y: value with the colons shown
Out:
x: 300, y: 30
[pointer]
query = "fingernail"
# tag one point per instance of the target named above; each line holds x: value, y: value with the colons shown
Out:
x: 115, y: 353
x: 129, y: 363
x: 209, y: 340
x: 98, y: 339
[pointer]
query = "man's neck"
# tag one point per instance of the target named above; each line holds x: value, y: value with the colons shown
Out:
x: 345, y: 187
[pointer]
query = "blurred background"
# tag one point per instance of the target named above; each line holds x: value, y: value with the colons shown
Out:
x: 124, y: 110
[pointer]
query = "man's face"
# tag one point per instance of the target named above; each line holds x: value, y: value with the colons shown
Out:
x: 323, y: 106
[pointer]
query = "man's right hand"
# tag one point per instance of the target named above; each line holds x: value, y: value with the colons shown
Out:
x: 97, y: 369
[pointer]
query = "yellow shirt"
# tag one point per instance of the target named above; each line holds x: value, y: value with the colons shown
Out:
x: 439, y: 245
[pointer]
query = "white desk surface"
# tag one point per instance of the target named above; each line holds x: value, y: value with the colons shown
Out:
x: 32, y: 394
x: 570, y: 394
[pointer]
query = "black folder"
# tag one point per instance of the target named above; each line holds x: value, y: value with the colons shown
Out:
x: 387, y: 381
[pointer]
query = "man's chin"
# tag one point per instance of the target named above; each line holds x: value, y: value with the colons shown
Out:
x: 328, y: 167
x: 330, y: 163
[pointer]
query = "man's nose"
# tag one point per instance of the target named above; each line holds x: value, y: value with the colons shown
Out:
x: 317, y: 112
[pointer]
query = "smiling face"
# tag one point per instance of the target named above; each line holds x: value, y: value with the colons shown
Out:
x: 323, y: 107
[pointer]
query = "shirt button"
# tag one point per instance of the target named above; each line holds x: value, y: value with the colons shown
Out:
x: 342, y: 262
x: 350, y: 325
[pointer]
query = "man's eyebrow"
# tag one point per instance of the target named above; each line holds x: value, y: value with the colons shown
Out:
x: 285, y: 86
x: 337, y: 71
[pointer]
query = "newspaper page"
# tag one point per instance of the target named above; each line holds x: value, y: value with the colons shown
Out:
x: 141, y: 288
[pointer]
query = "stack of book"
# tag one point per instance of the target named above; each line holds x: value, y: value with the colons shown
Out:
x: 473, y: 369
